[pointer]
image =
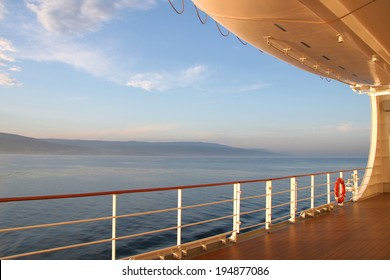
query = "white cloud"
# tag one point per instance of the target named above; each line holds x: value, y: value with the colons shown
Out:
x: 6, y: 50
x: 5, y: 57
x: 345, y: 127
x: 81, y: 16
x: 6, y: 45
x: 7, y: 80
x: 43, y: 40
x: 253, y: 87
x: 15, y: 69
x: 148, y: 81
x: 164, y: 81
x: 2, y: 10
x: 80, y: 55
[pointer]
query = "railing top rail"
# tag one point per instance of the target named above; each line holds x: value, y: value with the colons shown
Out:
x: 104, y: 193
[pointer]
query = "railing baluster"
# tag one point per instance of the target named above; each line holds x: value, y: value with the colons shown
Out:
x: 328, y: 187
x: 179, y: 212
x: 355, y: 185
x: 113, y: 242
x: 236, y: 211
x: 312, y: 193
x: 293, y: 199
x: 268, y: 205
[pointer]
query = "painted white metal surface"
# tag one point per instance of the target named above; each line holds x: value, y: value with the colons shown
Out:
x: 113, y: 242
x: 293, y: 199
x: 268, y: 205
x: 179, y: 215
x: 236, y: 211
x: 339, y: 39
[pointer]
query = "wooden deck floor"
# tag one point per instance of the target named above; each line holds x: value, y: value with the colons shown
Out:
x: 359, y: 230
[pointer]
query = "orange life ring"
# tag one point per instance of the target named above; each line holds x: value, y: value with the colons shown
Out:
x: 339, y: 190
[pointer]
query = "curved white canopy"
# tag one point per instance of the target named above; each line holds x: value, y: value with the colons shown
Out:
x: 346, y: 40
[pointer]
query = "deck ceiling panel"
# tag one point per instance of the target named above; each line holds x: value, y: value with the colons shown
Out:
x: 344, y: 40
x: 255, y: 9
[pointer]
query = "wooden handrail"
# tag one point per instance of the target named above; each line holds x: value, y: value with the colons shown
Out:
x: 104, y: 193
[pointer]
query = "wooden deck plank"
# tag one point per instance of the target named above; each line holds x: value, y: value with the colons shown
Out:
x: 359, y: 230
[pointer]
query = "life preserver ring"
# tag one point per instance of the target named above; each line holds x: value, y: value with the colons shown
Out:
x: 339, y: 190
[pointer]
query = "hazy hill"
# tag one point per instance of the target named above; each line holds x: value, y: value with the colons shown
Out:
x: 15, y: 144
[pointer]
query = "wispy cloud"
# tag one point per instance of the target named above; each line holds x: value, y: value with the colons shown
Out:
x: 6, y: 46
x: 81, y: 56
x: 15, y: 69
x: 164, y: 81
x: 345, y: 127
x: 253, y: 87
x: 7, y: 80
x: 62, y: 31
x: 81, y: 16
x: 2, y: 10
x: 6, y: 57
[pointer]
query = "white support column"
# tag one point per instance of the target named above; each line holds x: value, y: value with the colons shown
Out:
x: 374, y: 159
x: 293, y: 199
x: 113, y: 241
x: 268, y: 205
x: 179, y: 214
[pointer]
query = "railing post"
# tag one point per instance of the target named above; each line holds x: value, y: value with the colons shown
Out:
x: 328, y: 187
x: 236, y: 211
x: 113, y: 241
x: 341, y: 176
x: 312, y: 193
x: 293, y: 199
x: 355, y: 185
x: 179, y: 212
x: 268, y: 205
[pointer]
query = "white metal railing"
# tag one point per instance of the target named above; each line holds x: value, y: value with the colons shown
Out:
x: 250, y: 207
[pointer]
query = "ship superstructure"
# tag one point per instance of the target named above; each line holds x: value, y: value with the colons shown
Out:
x: 343, y: 40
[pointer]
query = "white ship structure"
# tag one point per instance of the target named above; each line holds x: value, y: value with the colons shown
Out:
x: 343, y: 40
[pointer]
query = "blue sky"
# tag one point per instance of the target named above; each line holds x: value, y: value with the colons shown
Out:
x: 136, y: 70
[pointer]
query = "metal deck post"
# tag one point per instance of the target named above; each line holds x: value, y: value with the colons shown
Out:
x: 293, y: 199
x: 113, y: 242
x: 268, y: 205
x: 355, y: 185
x: 236, y: 210
x: 328, y: 187
x: 179, y: 212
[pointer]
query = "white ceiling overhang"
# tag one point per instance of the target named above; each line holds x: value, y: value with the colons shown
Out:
x: 345, y: 40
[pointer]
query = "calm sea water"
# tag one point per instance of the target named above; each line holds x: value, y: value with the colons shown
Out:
x: 46, y: 175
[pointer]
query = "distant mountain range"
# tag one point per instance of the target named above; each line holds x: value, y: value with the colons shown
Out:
x: 16, y: 144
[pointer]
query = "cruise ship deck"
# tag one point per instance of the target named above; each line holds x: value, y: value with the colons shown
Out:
x: 357, y: 231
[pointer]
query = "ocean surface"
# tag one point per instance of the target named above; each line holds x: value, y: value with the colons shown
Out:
x: 32, y: 175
